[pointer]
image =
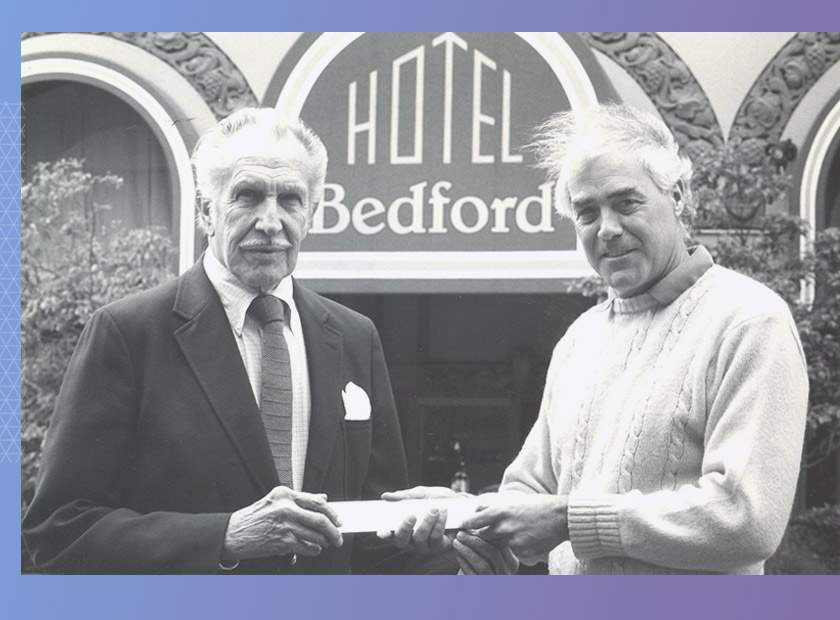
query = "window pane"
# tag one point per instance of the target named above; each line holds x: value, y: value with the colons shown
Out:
x: 68, y: 119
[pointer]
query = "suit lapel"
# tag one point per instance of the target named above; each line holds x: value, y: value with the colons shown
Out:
x: 323, y: 353
x: 207, y: 342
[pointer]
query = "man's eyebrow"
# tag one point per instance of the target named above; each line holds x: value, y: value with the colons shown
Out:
x: 248, y: 180
x: 256, y: 177
x: 621, y: 192
x: 268, y: 162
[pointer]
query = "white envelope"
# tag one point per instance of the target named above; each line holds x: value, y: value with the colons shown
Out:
x: 376, y: 515
x: 356, y: 402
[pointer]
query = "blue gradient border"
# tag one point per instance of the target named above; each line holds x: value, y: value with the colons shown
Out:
x: 371, y: 598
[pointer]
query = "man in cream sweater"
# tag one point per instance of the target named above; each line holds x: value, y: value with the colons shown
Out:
x: 670, y: 432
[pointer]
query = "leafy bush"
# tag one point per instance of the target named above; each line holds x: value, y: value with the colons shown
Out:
x: 738, y: 182
x: 810, y: 544
x: 71, y: 264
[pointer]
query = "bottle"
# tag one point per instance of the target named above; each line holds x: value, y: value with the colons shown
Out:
x: 461, y: 480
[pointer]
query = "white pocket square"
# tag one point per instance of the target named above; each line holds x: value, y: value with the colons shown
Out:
x: 356, y: 402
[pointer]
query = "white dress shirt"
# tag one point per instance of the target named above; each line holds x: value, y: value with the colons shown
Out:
x: 248, y: 335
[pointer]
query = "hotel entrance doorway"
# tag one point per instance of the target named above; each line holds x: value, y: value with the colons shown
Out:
x: 468, y: 374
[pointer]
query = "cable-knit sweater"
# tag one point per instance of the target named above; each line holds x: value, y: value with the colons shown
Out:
x: 674, y: 422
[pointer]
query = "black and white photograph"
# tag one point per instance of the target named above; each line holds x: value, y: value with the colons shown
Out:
x: 438, y: 303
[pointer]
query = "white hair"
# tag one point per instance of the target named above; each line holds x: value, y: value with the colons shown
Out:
x: 211, y: 159
x: 569, y: 139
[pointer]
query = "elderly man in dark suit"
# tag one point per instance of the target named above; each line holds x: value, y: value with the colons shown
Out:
x: 202, y: 424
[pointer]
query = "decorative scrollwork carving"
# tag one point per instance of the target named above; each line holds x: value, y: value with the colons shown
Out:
x: 202, y: 63
x: 669, y: 83
x: 786, y: 79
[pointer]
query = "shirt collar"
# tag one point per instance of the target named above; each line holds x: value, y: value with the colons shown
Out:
x: 236, y: 298
x: 668, y: 288
x: 680, y: 279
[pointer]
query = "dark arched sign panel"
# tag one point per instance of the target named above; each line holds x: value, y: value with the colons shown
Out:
x: 429, y: 188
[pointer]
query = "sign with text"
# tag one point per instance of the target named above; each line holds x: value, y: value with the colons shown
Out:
x: 428, y: 178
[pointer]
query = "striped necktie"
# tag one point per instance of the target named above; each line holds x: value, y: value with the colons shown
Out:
x: 276, y: 383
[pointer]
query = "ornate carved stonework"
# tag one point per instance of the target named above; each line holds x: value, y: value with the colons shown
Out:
x: 199, y: 60
x: 669, y: 83
x: 791, y: 73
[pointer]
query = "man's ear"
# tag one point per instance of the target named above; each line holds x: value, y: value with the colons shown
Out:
x: 203, y: 210
x: 678, y: 195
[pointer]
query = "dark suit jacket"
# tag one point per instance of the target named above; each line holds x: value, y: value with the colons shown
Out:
x: 156, y: 437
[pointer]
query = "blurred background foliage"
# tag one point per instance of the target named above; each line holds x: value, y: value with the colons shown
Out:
x: 71, y: 264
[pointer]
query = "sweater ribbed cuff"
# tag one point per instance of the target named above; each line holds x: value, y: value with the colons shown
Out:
x: 593, y: 527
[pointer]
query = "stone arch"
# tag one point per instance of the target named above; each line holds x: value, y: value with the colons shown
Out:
x: 161, y: 87
x: 772, y: 100
x: 199, y: 60
x: 667, y: 81
x: 787, y: 78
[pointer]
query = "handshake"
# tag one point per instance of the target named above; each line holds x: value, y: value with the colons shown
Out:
x: 488, y: 535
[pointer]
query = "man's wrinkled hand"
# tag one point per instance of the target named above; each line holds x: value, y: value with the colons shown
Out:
x: 424, y: 532
x: 477, y: 556
x: 283, y: 522
x: 530, y: 524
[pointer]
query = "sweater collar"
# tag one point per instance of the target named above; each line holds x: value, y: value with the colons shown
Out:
x: 668, y: 288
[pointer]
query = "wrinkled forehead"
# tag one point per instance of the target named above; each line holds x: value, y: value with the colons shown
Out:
x: 604, y: 171
x: 267, y: 172
x: 262, y: 152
